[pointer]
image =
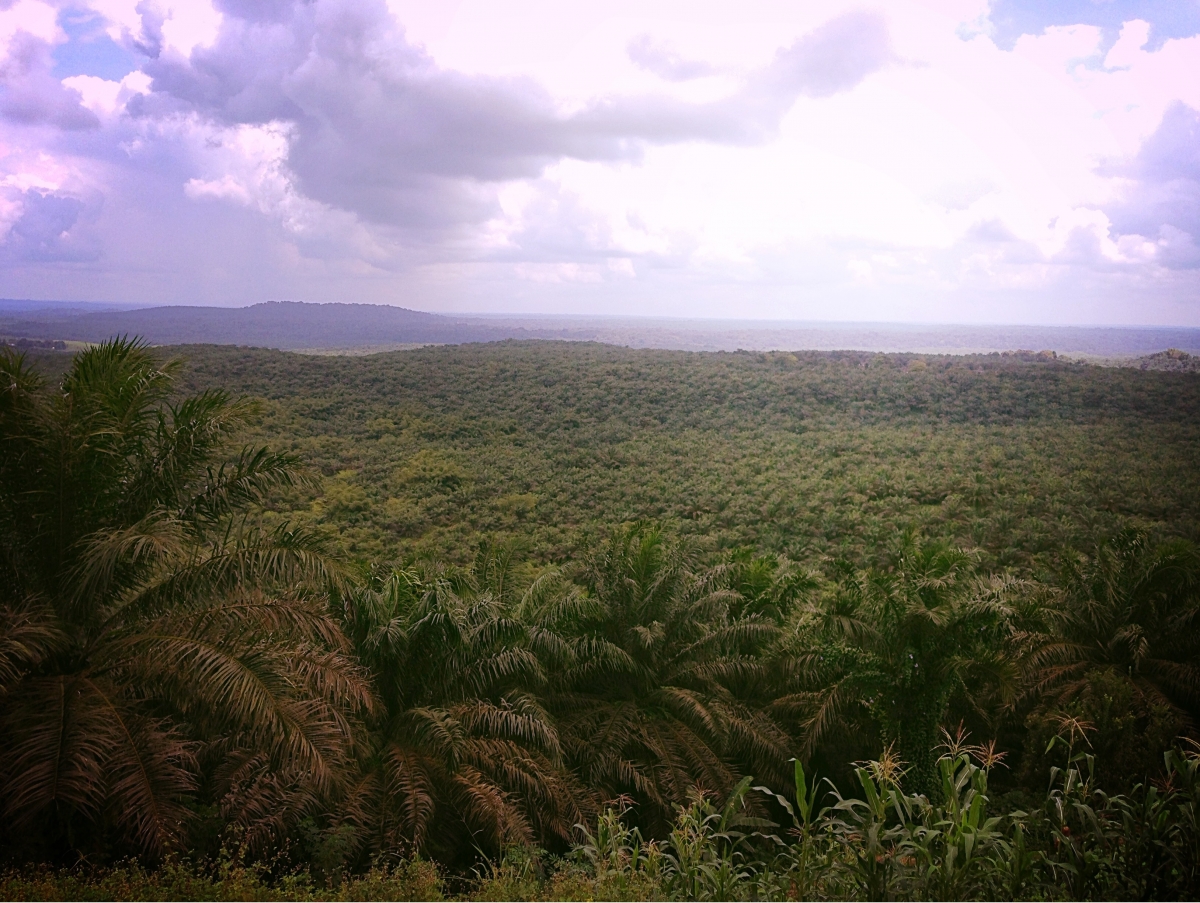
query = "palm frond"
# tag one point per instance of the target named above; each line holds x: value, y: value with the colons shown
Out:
x: 519, y: 721
x: 250, y: 690
x: 282, y: 557
x: 30, y: 632
x: 488, y: 809
x: 111, y: 557
x: 245, y: 481
x: 151, y: 775
x: 59, y: 741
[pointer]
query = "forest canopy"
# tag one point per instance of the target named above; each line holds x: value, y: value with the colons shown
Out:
x: 573, y: 620
x: 423, y: 452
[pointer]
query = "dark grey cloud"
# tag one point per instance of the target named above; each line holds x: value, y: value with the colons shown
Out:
x: 832, y: 58
x: 256, y: 10
x: 990, y: 232
x: 380, y: 130
x: 1177, y: 249
x: 1173, y: 151
x: 31, y: 95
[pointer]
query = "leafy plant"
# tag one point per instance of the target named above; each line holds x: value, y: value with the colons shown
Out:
x: 706, y: 855
x: 150, y: 624
x: 954, y: 837
x: 649, y: 704
x: 804, y: 862
x: 898, y: 647
x: 1124, y: 624
x: 459, y: 751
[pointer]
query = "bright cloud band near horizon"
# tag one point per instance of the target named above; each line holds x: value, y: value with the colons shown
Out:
x: 927, y: 160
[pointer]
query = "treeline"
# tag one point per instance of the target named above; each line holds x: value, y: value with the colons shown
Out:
x: 182, y: 672
x: 275, y: 324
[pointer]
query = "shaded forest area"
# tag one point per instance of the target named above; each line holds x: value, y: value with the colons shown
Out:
x: 526, y: 621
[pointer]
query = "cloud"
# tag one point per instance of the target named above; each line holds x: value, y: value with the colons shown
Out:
x: 833, y: 58
x: 1162, y: 197
x: 382, y: 131
x: 659, y: 58
x: 31, y: 95
x: 1173, y: 151
x: 257, y: 10
x: 42, y: 230
x: 1177, y: 249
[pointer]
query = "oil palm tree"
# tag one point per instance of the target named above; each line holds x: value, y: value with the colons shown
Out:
x: 1130, y: 609
x: 460, y: 754
x: 893, y: 652
x: 148, y: 623
x: 659, y: 695
x: 769, y: 586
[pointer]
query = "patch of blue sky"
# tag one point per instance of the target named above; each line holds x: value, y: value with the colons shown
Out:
x: 88, y: 49
x: 1168, y: 18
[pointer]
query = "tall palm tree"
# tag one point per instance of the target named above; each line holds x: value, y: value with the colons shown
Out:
x: 460, y: 754
x: 896, y: 650
x: 148, y: 623
x: 1131, y: 609
x: 767, y: 585
x: 660, y: 693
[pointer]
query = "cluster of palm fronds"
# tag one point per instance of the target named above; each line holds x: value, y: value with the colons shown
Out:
x: 169, y: 664
x: 158, y: 645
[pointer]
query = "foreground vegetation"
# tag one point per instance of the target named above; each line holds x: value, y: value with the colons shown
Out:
x: 205, y: 664
x: 881, y: 845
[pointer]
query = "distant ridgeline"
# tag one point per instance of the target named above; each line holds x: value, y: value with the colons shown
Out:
x: 275, y: 324
x: 298, y: 326
x: 30, y: 344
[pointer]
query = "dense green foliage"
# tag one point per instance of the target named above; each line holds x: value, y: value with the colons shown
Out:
x: 558, y: 618
x: 878, y: 844
x: 422, y: 452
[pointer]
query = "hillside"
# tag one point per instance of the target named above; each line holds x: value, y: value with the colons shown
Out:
x: 426, y: 451
x: 766, y: 537
x: 290, y: 325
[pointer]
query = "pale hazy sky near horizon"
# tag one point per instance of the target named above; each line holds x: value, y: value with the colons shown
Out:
x: 923, y: 160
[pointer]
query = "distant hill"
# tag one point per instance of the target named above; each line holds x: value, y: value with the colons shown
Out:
x: 298, y: 326
x: 275, y: 324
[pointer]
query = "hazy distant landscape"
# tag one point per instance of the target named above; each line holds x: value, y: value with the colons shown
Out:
x: 293, y: 326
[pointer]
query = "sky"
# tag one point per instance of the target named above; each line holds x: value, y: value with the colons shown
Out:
x: 953, y: 161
